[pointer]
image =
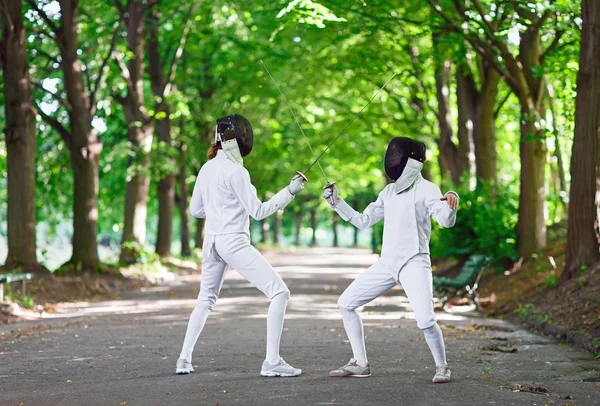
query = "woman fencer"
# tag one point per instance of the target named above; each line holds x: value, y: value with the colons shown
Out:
x: 224, y: 196
x: 407, y: 206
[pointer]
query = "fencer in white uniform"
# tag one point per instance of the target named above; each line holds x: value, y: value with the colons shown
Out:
x: 224, y: 195
x: 407, y: 206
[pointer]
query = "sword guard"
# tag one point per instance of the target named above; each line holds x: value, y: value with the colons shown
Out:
x: 329, y: 185
x: 302, y: 175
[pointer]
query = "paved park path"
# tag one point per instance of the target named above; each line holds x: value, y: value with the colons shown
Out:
x: 124, y: 351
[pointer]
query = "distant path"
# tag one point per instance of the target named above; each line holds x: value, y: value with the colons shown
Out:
x: 109, y: 353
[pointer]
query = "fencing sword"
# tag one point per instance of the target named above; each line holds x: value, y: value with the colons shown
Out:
x: 299, y: 126
x: 316, y: 161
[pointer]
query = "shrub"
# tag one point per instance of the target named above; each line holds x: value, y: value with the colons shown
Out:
x: 485, y: 223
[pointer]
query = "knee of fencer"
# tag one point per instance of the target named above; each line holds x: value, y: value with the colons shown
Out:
x: 426, y: 323
x: 345, y: 304
x: 283, y: 294
x: 206, y: 303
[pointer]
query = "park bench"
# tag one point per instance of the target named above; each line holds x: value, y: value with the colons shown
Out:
x: 465, y: 284
x: 13, y: 277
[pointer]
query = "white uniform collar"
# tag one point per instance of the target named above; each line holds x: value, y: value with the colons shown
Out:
x: 409, y: 175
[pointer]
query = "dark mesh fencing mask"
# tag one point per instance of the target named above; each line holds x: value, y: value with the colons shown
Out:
x: 238, y: 128
x: 398, y: 152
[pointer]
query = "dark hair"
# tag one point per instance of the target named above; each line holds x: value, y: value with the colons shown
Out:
x: 212, y: 150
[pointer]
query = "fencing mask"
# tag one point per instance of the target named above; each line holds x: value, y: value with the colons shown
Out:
x: 398, y: 152
x: 236, y: 136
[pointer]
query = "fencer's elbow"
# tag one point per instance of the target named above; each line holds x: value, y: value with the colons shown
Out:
x: 259, y: 215
x: 447, y: 223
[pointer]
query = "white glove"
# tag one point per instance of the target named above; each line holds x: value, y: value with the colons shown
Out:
x: 331, y: 195
x: 296, y: 185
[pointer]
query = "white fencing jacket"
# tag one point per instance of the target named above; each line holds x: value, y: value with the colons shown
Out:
x: 224, y: 195
x: 407, y: 227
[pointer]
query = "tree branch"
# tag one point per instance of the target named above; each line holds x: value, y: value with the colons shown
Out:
x: 553, y: 45
x: 55, y: 30
x: 501, y: 104
x: 120, y: 9
x: 485, y: 50
x: 56, y: 125
x: 47, y: 55
x: 178, y: 52
x: 94, y: 89
x: 55, y: 96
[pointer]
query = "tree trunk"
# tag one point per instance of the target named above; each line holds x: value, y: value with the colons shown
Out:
x: 85, y: 146
x: 166, y: 185
x: 264, y: 231
x: 184, y: 212
x: 562, y: 179
x: 466, y: 99
x: 484, y: 134
x: 139, y: 133
x: 531, y: 229
x: 313, y: 225
x: 166, y: 192
x: 20, y: 139
x: 582, y: 241
x: 334, y: 229
x: 298, y: 224
x: 356, y: 230
x: 199, y: 233
x: 277, y: 226
x: 447, y: 156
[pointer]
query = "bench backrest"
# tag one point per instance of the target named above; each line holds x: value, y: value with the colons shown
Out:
x: 471, y: 269
x: 14, y: 277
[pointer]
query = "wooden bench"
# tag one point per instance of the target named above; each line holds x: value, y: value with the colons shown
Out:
x: 465, y: 284
x: 13, y: 277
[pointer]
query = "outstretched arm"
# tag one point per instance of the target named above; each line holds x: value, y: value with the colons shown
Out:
x: 245, y: 192
x: 372, y: 214
x: 442, y: 208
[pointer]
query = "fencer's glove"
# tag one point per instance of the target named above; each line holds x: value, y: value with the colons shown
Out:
x: 296, y: 185
x: 331, y: 195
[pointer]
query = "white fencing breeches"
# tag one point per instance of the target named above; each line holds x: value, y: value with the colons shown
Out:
x: 417, y: 281
x: 219, y: 252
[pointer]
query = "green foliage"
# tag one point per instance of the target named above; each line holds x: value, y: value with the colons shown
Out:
x: 485, y: 224
x: 329, y: 58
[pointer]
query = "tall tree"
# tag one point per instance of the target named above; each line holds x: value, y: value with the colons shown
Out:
x: 161, y: 81
x: 20, y: 135
x: 483, y: 28
x: 80, y: 137
x: 582, y: 237
x: 454, y: 159
x: 182, y: 202
x: 139, y: 129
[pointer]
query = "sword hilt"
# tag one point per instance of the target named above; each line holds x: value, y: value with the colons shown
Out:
x: 329, y: 185
x: 302, y: 175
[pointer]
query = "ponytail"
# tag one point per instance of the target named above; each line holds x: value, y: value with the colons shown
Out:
x: 213, y: 149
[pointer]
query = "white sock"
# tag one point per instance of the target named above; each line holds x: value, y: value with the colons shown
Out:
x: 275, y: 318
x: 356, y: 336
x: 435, y: 341
x: 195, y: 326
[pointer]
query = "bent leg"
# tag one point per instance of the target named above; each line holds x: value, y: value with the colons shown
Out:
x: 213, y: 274
x: 417, y: 281
x: 246, y: 260
x: 371, y: 284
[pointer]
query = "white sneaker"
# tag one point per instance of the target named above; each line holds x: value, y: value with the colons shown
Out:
x: 352, y: 370
x: 183, y: 367
x: 442, y: 374
x: 282, y: 369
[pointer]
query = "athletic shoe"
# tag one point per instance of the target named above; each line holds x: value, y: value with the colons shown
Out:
x: 352, y: 370
x: 282, y: 369
x: 183, y: 367
x: 442, y: 374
